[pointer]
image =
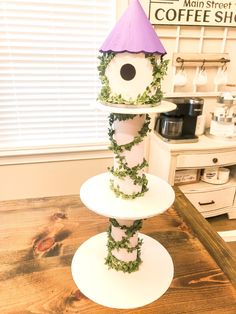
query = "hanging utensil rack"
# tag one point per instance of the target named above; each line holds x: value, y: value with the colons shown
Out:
x: 195, y: 59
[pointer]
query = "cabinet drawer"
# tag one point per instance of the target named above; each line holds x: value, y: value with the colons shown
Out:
x: 207, y: 201
x: 206, y: 160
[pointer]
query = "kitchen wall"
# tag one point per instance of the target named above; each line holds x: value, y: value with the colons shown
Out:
x: 27, y: 176
x: 196, y: 39
x: 29, y: 180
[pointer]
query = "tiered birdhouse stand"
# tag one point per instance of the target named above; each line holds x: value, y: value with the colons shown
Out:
x: 124, y: 268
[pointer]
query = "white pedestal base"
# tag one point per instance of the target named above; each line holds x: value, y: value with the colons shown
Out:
x: 116, y: 289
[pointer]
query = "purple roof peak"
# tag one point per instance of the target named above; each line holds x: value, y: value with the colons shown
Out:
x: 133, y: 33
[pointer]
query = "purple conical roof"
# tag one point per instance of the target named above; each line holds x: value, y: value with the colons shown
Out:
x: 133, y: 33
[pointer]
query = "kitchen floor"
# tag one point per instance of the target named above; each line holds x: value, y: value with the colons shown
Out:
x: 222, y: 223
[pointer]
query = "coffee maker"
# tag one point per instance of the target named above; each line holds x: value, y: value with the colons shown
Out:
x: 179, y: 125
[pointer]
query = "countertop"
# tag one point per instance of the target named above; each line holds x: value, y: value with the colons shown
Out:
x: 38, y: 238
x: 204, y: 143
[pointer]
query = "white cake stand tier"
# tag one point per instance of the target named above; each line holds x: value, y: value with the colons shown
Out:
x: 163, y: 106
x: 116, y: 289
x: 152, y: 272
x: 96, y: 194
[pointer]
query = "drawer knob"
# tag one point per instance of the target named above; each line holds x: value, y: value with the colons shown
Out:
x: 215, y: 160
x: 207, y: 203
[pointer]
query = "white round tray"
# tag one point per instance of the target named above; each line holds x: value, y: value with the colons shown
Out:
x: 96, y: 194
x: 164, y: 106
x: 116, y: 289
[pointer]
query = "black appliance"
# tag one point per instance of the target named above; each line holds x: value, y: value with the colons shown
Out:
x: 179, y: 125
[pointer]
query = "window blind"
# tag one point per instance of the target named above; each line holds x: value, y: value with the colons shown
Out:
x: 48, y: 71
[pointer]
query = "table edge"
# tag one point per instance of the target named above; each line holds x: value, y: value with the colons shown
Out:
x: 209, y: 238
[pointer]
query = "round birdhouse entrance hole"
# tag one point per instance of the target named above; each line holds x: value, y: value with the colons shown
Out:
x: 127, y: 72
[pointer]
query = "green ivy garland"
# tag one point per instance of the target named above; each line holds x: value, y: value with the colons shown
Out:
x: 123, y: 170
x: 126, y: 267
x: 129, y: 231
x: 138, y: 139
x: 114, y: 262
x: 105, y: 59
x: 147, y: 97
x: 159, y: 71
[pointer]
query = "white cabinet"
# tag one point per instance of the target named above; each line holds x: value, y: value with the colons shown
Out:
x: 206, y: 159
x: 211, y: 200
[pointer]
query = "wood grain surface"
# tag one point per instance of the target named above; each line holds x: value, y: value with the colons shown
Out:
x: 211, y: 240
x: 223, y: 223
x: 39, y: 237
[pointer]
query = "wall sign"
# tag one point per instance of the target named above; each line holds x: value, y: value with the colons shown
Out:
x: 187, y: 12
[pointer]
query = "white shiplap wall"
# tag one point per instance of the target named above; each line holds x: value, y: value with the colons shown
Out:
x: 197, y: 39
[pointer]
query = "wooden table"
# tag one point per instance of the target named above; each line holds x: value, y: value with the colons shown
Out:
x: 39, y: 237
